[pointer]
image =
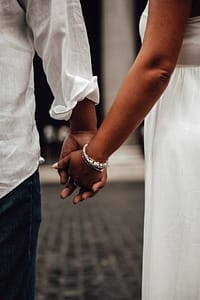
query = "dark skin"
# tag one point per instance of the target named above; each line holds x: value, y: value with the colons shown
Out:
x: 142, y: 87
x: 83, y: 126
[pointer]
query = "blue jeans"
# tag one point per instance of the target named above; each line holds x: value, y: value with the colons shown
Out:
x: 20, y: 217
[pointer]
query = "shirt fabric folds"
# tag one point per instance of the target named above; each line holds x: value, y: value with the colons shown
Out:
x: 56, y: 31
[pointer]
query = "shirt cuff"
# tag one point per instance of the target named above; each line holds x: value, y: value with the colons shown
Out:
x: 82, y: 88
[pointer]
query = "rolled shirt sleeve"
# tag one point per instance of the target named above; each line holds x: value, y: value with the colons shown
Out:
x: 60, y: 39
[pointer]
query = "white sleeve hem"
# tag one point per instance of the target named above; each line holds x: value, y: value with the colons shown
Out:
x: 82, y: 88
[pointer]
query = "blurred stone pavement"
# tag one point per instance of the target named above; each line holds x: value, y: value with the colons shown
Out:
x: 93, y: 251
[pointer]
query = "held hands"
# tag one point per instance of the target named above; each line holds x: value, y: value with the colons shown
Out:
x: 74, y: 141
x: 81, y: 175
x: 71, y: 165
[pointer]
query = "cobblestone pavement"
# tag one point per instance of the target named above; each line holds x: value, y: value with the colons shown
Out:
x: 91, y: 251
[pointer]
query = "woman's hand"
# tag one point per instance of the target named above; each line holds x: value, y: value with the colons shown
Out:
x: 74, y: 141
x: 89, y: 180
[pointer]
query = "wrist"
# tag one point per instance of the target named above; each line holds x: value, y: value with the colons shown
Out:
x: 96, y: 150
x: 91, y: 162
x: 83, y: 131
x: 83, y: 117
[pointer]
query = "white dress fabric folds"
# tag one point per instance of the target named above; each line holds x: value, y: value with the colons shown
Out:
x: 171, y: 257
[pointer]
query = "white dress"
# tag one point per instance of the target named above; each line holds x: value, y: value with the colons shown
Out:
x: 171, y: 257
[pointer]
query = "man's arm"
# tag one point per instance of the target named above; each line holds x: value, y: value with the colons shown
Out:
x: 59, y: 37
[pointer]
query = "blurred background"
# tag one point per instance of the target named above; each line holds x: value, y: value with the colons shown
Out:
x: 94, y: 251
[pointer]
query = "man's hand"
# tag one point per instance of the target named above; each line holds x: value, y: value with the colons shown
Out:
x: 83, y: 124
x: 73, y: 142
x: 81, y: 175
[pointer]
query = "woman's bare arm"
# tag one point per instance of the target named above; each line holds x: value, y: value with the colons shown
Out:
x: 147, y: 78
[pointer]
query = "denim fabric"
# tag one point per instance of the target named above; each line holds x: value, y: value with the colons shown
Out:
x: 20, y: 217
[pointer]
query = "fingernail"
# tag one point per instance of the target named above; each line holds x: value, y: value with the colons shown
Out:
x: 62, y: 196
x: 55, y: 166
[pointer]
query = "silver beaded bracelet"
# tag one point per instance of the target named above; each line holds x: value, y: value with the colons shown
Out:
x: 96, y: 165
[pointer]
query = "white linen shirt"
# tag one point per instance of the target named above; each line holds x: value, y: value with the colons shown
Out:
x: 56, y: 31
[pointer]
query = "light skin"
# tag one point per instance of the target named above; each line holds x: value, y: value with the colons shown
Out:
x: 142, y: 87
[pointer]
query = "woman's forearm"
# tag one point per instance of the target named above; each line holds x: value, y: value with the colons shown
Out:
x: 140, y: 90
